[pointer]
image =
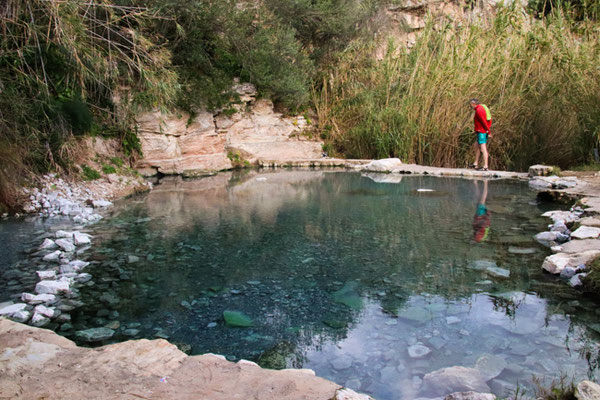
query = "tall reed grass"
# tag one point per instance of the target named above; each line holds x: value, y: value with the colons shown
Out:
x: 540, y: 78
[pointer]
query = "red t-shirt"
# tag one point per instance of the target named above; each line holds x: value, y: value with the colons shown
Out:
x: 481, y: 123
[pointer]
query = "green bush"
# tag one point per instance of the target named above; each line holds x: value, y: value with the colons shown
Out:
x: 108, y: 169
x: 89, y: 173
x: 117, y: 162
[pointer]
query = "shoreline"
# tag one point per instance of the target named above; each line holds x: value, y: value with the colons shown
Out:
x: 243, y: 367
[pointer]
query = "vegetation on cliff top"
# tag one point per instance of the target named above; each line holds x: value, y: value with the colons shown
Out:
x: 78, y: 67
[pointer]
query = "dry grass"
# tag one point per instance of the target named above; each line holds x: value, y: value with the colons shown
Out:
x: 542, y: 85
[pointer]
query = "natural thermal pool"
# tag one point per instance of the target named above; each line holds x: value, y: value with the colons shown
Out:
x: 364, y: 279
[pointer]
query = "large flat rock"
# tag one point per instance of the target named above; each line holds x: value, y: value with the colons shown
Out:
x: 38, y: 363
x: 557, y: 262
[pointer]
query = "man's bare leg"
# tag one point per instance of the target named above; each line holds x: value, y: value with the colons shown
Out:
x: 485, y: 154
x: 477, y: 151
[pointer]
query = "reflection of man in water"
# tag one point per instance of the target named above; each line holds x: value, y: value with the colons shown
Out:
x: 481, y: 222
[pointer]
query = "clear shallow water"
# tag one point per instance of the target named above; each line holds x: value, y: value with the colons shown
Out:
x: 341, y: 274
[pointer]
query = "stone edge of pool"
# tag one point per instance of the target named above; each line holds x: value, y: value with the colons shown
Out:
x: 36, y: 362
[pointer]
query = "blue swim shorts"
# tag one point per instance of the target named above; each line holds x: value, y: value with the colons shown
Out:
x: 482, y: 138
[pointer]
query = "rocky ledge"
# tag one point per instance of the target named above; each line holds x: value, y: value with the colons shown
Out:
x: 574, y: 234
x: 37, y: 363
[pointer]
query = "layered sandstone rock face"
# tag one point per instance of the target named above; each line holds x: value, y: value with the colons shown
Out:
x: 254, y: 133
x: 402, y: 23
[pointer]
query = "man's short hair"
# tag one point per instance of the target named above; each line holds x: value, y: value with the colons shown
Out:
x: 474, y: 100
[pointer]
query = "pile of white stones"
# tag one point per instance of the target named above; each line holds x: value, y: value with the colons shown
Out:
x: 60, y: 198
x: 55, y: 283
x: 573, y: 250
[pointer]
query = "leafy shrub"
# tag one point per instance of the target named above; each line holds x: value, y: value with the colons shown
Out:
x: 89, y: 173
x: 108, y: 169
x: 117, y: 162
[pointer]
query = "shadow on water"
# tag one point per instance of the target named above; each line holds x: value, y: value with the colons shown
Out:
x: 372, y: 281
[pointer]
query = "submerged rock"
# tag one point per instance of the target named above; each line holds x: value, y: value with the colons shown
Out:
x: 418, y: 351
x: 237, y: 319
x: 453, y: 379
x: 498, y: 272
x: 347, y: 296
x: 94, y: 334
x: 490, y: 366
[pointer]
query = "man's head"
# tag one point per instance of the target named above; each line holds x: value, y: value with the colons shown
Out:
x: 474, y: 103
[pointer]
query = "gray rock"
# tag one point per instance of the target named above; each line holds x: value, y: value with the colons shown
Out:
x: 565, y: 217
x: 42, y: 275
x: 52, y: 287
x: 384, y: 165
x: 575, y: 281
x: 67, y: 326
x: 39, y: 320
x: 550, y: 238
x: 481, y: 265
x: 540, y: 170
x: 39, y: 299
x: 66, y: 244
x: 587, y: 390
x: 48, y: 312
x: 132, y: 259
x: 131, y: 332
x: 559, y: 226
x: 498, y: 272
x: 568, y: 272
x: 101, y: 203
x: 453, y: 379
x: 54, y: 256
x: 81, y: 238
x: 520, y: 250
x: 63, y: 234
x: 341, y: 363
x: 83, y: 277
x: 48, y: 244
x: 12, y: 309
x: 490, y: 366
x: 94, y: 334
x: 452, y: 320
x: 62, y: 318
x: 21, y: 316
x: 418, y: 351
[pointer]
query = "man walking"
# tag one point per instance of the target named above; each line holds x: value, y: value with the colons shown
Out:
x: 483, y: 122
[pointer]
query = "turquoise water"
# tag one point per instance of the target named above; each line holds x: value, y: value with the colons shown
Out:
x: 344, y: 274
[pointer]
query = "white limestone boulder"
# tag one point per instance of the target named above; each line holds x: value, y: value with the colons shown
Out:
x: 52, y: 287
x: 557, y: 262
x: 586, y: 232
x: 540, y: 170
x: 66, y: 244
x: 383, y: 165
